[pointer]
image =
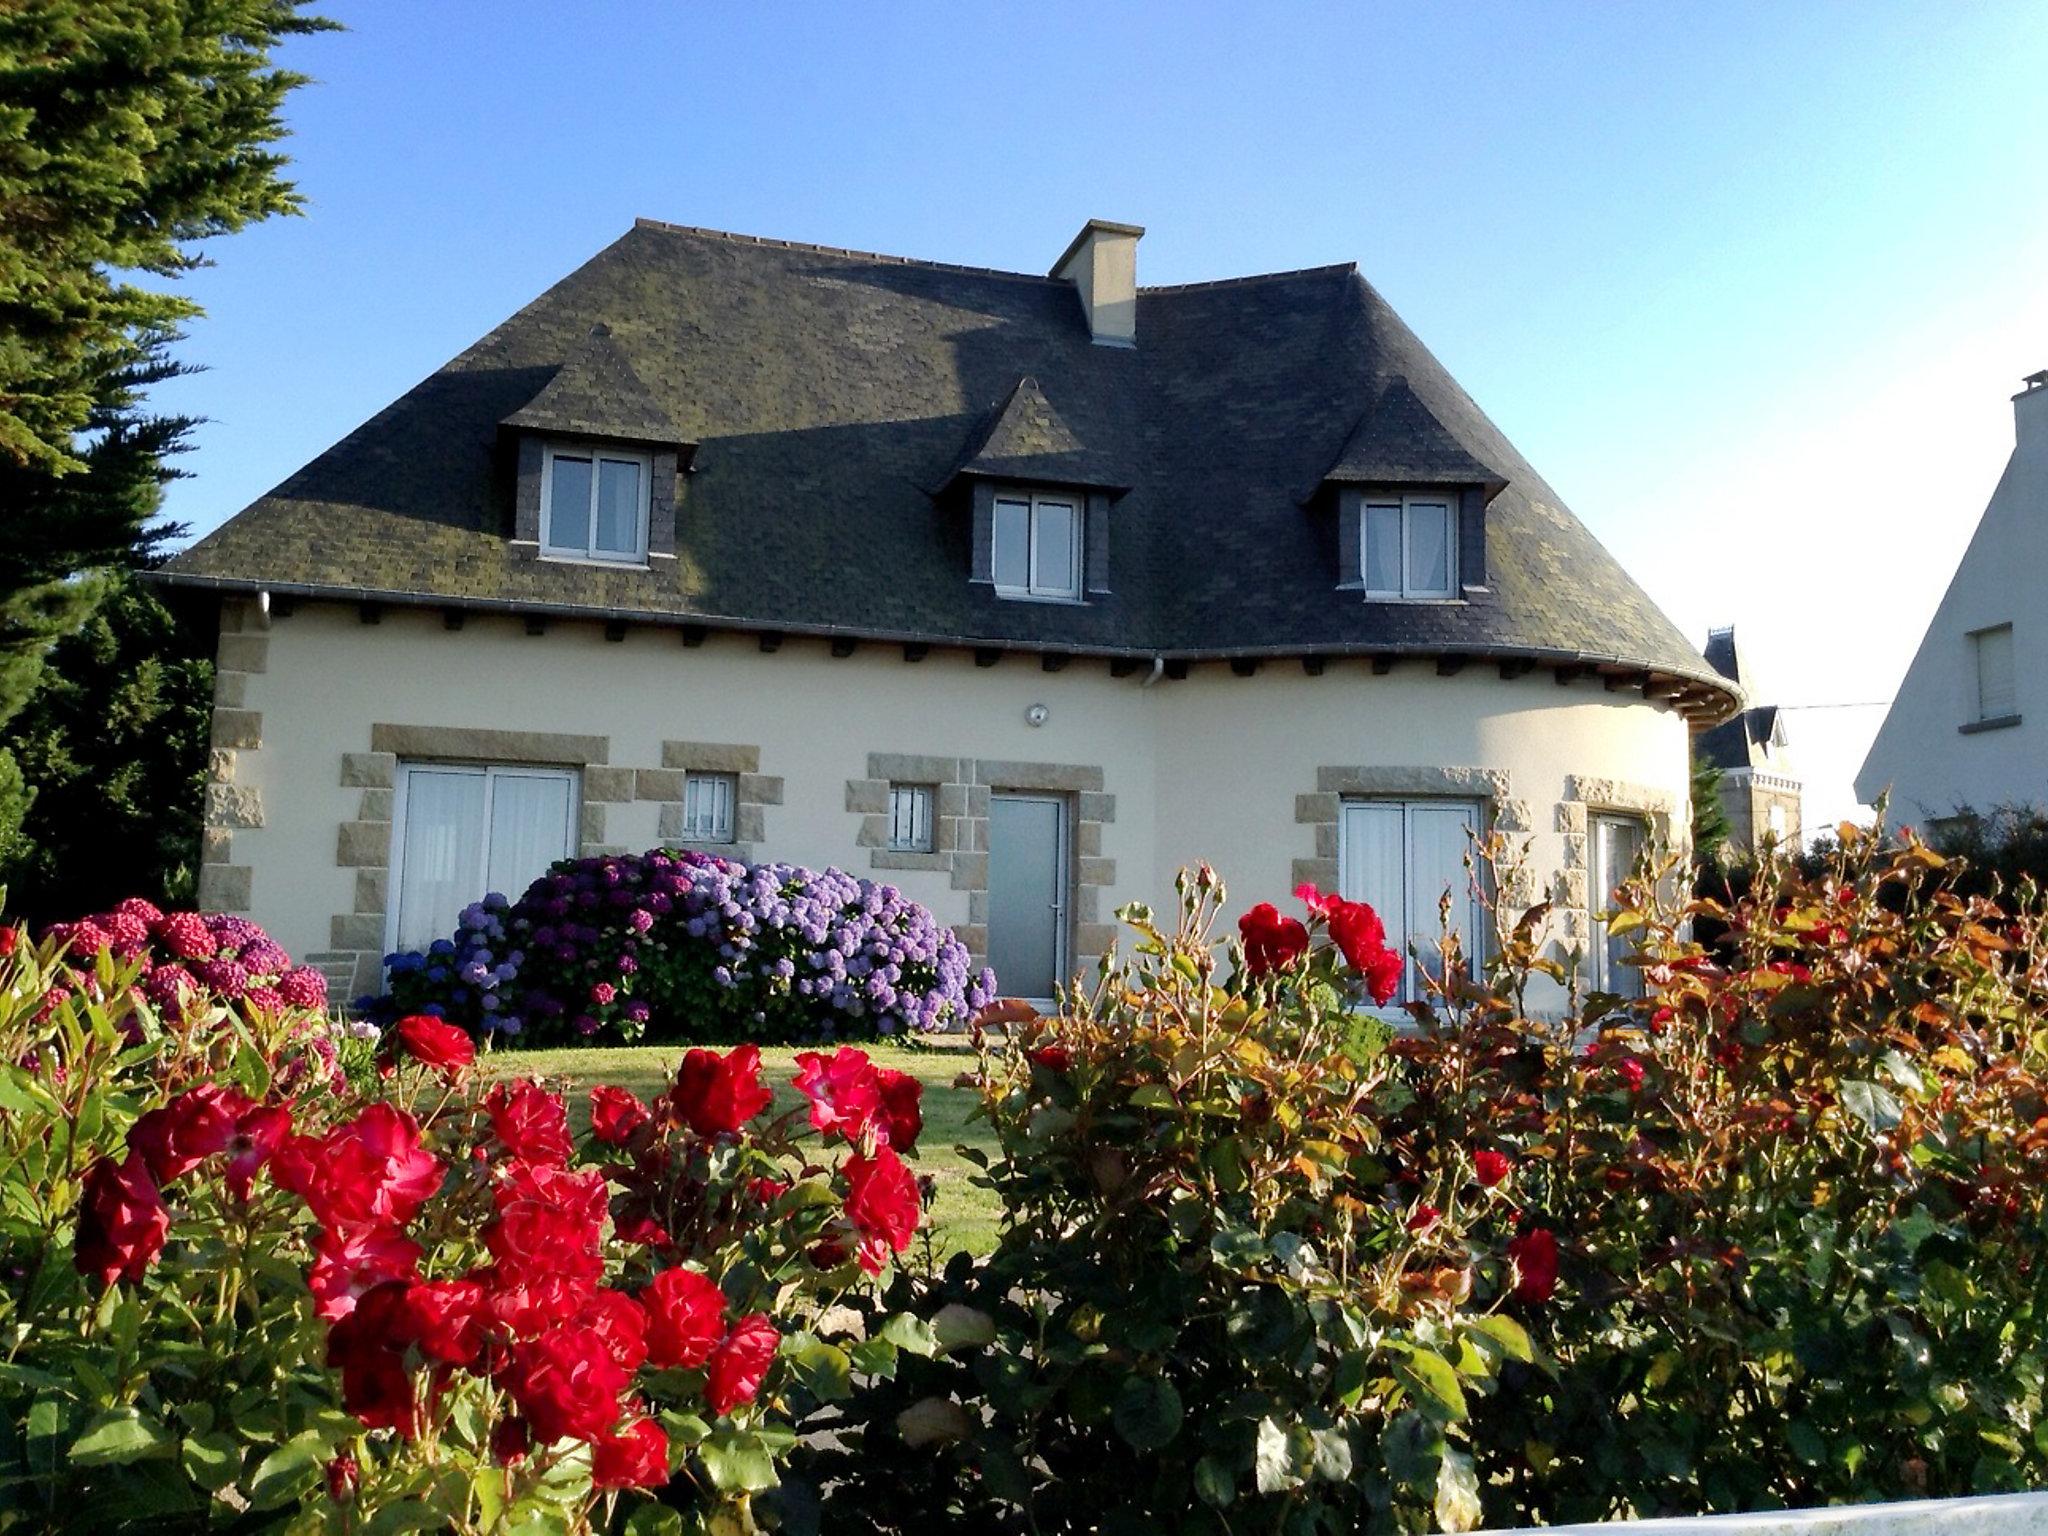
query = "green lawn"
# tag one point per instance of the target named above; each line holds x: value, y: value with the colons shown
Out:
x: 963, y: 1215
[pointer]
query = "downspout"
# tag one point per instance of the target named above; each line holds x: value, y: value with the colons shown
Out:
x: 1158, y: 666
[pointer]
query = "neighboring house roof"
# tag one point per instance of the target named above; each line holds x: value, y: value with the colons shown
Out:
x: 1745, y: 741
x: 829, y: 391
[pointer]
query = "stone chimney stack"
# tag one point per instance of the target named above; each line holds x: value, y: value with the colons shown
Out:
x: 1102, y: 264
x: 2030, y: 415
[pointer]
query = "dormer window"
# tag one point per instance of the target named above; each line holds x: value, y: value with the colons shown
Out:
x: 1037, y: 552
x: 595, y: 504
x: 1409, y: 545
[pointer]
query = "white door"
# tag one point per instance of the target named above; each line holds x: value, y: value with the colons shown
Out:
x: 1401, y: 858
x: 1027, y: 893
x: 459, y: 833
x: 1617, y: 850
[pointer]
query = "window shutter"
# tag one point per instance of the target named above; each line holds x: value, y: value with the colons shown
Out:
x: 1996, y: 697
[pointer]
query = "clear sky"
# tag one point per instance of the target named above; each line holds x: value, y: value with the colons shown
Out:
x: 1750, y: 283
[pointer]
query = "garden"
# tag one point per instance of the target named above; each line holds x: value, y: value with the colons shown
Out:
x: 677, y: 1195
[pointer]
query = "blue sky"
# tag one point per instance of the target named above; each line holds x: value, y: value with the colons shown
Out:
x: 1750, y: 283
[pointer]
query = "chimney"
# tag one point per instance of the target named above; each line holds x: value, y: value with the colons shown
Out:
x: 2030, y: 414
x: 1102, y: 264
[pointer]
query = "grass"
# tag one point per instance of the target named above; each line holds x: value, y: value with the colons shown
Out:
x: 963, y: 1215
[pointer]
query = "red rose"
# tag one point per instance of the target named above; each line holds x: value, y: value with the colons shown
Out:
x: 435, y: 1043
x: 715, y: 1095
x: 882, y: 1203
x: 510, y: 1442
x: 368, y: 1347
x: 550, y: 1221
x: 621, y: 1324
x: 372, y: 1172
x: 1054, y: 1058
x: 1630, y: 1070
x: 1382, y: 975
x: 122, y: 1222
x: 527, y: 1306
x: 1491, y: 1166
x: 685, y: 1317
x: 176, y: 1137
x: 1534, y: 1255
x: 633, y: 1457
x: 531, y: 1122
x: 902, y: 1116
x: 615, y: 1114
x: 740, y: 1363
x: 259, y: 1132
x: 567, y: 1384
x: 844, y: 1088
x: 447, y: 1318
x: 349, y: 1264
x: 1362, y: 938
x: 1271, y: 942
x: 343, y: 1476
x: 9, y: 938
x: 1425, y: 1217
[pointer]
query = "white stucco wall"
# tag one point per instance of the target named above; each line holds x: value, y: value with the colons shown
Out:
x: 2008, y: 1514
x: 1210, y: 767
x: 1922, y: 755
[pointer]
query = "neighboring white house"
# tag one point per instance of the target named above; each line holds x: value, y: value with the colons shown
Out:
x: 1018, y: 591
x: 1969, y: 728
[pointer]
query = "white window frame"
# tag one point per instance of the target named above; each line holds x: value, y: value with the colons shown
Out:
x: 1450, y: 501
x: 1035, y: 590
x: 1626, y: 980
x: 493, y: 773
x: 910, y: 818
x: 724, y: 790
x: 1981, y: 712
x: 589, y: 552
x: 1473, y: 930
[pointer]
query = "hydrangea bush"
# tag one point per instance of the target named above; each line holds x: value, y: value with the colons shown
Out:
x: 684, y: 946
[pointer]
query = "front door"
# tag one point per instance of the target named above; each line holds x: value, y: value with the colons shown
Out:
x: 1027, y: 893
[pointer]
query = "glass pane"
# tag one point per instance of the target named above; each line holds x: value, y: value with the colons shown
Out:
x: 1025, y: 895
x: 707, y: 808
x: 568, y: 505
x: 1617, y: 850
x: 910, y: 819
x: 530, y: 815
x: 1383, y: 549
x: 1058, y: 569
x: 618, y: 507
x: 1429, y: 549
x: 1372, y: 848
x: 441, y: 852
x: 1437, y: 845
x: 1013, y: 544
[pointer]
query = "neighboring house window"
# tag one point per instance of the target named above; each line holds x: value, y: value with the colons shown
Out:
x: 1776, y: 819
x: 1617, y: 852
x: 1992, y: 650
x: 461, y: 832
x: 1410, y: 545
x: 594, y: 504
x: 707, y: 807
x: 910, y: 818
x: 1401, y: 857
x: 1038, y: 546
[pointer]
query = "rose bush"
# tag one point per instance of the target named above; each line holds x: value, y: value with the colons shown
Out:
x: 684, y: 946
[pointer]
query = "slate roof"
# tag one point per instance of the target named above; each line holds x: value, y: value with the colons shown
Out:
x: 1740, y: 742
x: 1398, y: 441
x: 829, y: 393
x: 1026, y: 438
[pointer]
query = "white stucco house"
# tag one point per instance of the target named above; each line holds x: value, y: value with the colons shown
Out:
x: 1969, y: 728
x: 1020, y: 591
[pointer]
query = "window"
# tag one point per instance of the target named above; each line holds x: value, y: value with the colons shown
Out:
x: 1038, y: 546
x: 1992, y: 653
x: 1402, y: 857
x: 594, y: 504
x: 462, y: 832
x: 1617, y: 852
x: 707, y: 807
x: 1410, y: 545
x: 910, y: 818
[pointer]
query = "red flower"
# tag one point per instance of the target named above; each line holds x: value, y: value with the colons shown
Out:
x: 1534, y: 1254
x: 368, y: 1347
x: 122, y: 1222
x: 1630, y: 1070
x: 343, y: 1476
x: 740, y: 1363
x: 510, y: 1442
x: 349, y: 1264
x: 186, y: 935
x: 1381, y: 972
x: 259, y: 1132
x: 550, y: 1221
x: 1425, y: 1217
x: 882, y: 1203
x: 621, y: 1324
x: 844, y: 1088
x: 1491, y: 1166
x: 633, y: 1457
x: 176, y: 1137
x: 685, y: 1317
x: 527, y: 1306
x: 567, y: 1384
x: 715, y: 1095
x: 615, y: 1114
x: 1271, y: 942
x: 9, y: 938
x: 902, y: 1118
x: 435, y: 1043
x: 447, y: 1318
x: 531, y: 1122
x: 371, y: 1172
x: 1362, y: 938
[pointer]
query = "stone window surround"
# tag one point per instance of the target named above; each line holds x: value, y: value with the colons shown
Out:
x: 243, y: 650
x: 753, y: 793
x: 1322, y: 809
x: 962, y: 788
x: 1584, y: 797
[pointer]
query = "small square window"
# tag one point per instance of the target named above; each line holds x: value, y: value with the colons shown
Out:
x: 594, y: 504
x: 707, y: 807
x: 1037, y: 546
x: 910, y: 818
x: 1410, y: 546
x: 1992, y: 655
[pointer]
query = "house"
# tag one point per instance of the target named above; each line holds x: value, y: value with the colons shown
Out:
x: 1760, y: 787
x: 1969, y: 728
x: 1018, y: 591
